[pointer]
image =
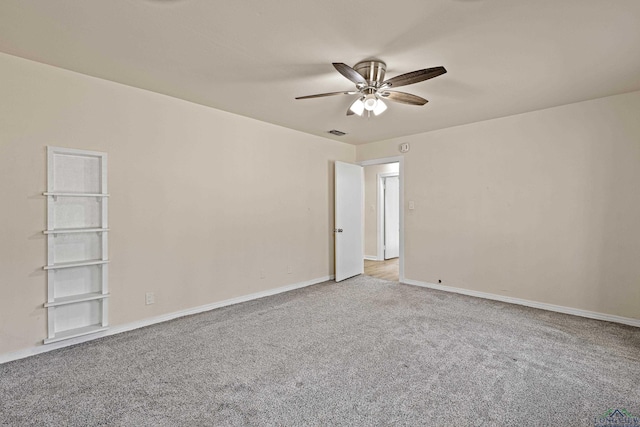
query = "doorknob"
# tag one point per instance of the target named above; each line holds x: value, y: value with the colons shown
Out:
x: 337, y: 230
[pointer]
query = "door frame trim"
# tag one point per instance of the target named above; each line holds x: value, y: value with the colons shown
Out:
x: 381, y: 209
x: 400, y: 160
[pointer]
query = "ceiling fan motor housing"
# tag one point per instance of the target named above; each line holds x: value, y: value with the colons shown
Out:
x: 372, y: 71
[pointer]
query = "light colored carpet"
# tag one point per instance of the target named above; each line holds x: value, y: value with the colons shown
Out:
x: 362, y: 352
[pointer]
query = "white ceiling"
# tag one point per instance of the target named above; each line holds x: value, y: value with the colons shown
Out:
x: 252, y: 57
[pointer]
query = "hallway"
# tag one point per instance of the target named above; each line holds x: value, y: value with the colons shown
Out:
x: 387, y: 270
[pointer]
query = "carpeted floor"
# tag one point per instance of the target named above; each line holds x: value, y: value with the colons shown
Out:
x: 362, y: 352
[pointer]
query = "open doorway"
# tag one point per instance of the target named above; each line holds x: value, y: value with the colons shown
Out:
x: 382, y: 230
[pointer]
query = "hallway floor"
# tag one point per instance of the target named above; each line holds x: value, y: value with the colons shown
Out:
x: 387, y: 270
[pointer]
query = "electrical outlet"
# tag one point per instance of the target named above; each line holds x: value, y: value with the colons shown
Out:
x: 289, y: 269
x: 262, y: 275
x: 150, y: 298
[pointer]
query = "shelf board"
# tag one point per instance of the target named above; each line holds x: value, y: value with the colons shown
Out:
x: 76, y: 230
x: 61, y: 194
x: 76, y: 264
x: 77, y: 332
x: 72, y: 299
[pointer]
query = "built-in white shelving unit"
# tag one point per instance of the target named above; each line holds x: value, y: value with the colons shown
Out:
x: 77, y: 243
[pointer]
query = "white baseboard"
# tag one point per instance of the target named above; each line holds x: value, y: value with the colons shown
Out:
x: 20, y: 354
x: 371, y: 257
x: 541, y: 305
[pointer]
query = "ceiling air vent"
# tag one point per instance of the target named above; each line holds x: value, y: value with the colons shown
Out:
x: 337, y: 132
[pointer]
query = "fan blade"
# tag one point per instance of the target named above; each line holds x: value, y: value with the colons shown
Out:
x: 405, y: 98
x: 349, y: 73
x: 415, y: 77
x: 320, y: 95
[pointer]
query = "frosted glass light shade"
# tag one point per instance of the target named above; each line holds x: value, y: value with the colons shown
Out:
x: 370, y: 102
x: 380, y: 107
x: 357, y: 107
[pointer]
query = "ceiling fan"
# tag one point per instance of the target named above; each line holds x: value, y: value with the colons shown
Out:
x: 372, y: 89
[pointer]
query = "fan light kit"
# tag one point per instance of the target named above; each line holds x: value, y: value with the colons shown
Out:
x: 372, y: 88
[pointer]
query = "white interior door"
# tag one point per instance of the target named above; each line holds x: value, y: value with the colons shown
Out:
x: 348, y: 231
x: 391, y: 217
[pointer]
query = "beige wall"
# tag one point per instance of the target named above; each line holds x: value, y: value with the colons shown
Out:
x: 202, y: 200
x: 371, y: 205
x: 542, y: 206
